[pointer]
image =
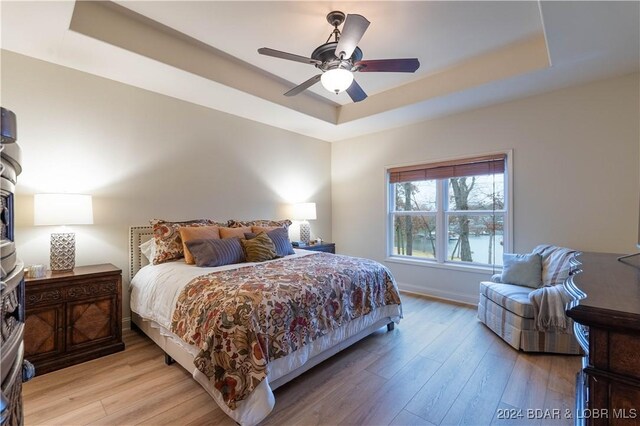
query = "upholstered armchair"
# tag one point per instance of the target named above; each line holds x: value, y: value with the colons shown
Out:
x: 510, y: 312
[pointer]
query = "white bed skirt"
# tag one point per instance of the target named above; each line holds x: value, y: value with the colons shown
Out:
x: 280, y: 371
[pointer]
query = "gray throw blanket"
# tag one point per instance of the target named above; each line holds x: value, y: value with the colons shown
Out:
x: 549, y: 305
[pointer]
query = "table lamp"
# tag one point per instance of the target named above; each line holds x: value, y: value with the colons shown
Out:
x: 304, y: 212
x: 62, y: 209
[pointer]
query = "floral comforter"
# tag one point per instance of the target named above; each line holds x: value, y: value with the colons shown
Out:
x: 241, y: 319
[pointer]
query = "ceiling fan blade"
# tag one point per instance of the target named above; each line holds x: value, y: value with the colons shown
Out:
x: 289, y: 56
x: 388, y: 65
x: 356, y: 93
x: 352, y: 32
x: 302, y: 87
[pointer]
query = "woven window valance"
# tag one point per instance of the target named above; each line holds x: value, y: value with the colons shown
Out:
x: 484, y: 165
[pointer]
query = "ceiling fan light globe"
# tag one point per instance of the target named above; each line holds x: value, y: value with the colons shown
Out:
x: 337, y: 80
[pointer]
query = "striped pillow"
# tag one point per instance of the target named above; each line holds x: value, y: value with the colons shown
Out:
x: 259, y: 249
x: 216, y: 252
x: 556, y: 263
x: 280, y: 238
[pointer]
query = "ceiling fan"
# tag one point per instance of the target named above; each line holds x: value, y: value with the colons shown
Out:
x: 340, y: 58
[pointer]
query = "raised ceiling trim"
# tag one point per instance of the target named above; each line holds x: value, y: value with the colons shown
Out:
x: 514, y: 59
x: 119, y: 26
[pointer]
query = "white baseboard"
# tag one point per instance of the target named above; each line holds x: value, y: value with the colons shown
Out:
x: 439, y: 294
x: 126, y: 323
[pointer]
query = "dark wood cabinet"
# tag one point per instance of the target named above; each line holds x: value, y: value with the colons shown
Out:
x: 325, y: 247
x: 73, y: 316
x: 608, y: 327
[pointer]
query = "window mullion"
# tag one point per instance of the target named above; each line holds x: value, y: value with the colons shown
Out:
x: 441, y: 234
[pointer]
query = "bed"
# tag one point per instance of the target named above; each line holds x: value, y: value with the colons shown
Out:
x: 159, y: 294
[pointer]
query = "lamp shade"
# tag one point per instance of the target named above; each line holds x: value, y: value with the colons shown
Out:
x: 62, y: 209
x: 337, y: 80
x: 304, y: 211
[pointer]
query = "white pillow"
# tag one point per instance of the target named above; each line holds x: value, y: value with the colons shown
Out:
x: 148, y: 249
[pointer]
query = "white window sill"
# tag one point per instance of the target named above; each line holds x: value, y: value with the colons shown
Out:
x: 452, y: 266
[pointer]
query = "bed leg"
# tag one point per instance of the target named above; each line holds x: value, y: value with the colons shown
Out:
x: 391, y: 326
x: 134, y: 327
x: 168, y: 360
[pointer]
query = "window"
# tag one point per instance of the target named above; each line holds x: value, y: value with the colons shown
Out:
x: 450, y: 212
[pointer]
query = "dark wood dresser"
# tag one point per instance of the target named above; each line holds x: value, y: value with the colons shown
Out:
x: 73, y: 316
x: 607, y: 325
x: 13, y: 370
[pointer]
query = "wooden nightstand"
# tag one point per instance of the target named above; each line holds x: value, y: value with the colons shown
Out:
x: 325, y: 247
x: 73, y: 317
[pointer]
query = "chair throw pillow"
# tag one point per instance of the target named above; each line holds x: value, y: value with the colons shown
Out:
x: 522, y: 269
x: 216, y: 252
x: 259, y: 249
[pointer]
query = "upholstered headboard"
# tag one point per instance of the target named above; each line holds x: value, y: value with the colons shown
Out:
x: 137, y: 236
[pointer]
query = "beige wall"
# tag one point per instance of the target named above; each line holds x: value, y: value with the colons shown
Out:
x: 576, y: 174
x: 143, y: 155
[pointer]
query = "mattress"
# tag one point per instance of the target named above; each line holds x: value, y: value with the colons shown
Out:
x: 155, y: 290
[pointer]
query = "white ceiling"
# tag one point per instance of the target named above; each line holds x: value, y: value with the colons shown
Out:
x: 398, y: 30
x: 586, y: 41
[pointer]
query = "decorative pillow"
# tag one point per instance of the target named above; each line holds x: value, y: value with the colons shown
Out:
x: 285, y: 223
x: 216, y: 252
x: 280, y: 238
x: 234, y: 232
x: 259, y: 249
x: 188, y: 233
x: 167, y: 238
x: 148, y: 249
x: 522, y: 269
x: 556, y: 263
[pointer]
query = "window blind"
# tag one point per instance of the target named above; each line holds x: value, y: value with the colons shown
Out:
x: 484, y: 165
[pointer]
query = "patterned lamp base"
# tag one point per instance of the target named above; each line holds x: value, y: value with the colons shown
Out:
x: 305, y: 232
x: 63, y: 251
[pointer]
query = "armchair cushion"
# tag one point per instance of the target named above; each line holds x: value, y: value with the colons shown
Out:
x: 514, y: 298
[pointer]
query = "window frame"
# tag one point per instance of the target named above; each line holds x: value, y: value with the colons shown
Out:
x: 442, y: 214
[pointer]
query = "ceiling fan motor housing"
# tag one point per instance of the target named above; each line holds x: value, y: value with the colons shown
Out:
x: 326, y: 54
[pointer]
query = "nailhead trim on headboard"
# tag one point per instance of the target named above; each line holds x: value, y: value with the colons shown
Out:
x: 137, y: 236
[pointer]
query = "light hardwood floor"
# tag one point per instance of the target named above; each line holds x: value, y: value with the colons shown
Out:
x: 439, y: 366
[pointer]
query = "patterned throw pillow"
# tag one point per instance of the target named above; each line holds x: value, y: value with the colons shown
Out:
x: 188, y: 233
x: 259, y: 249
x: 285, y: 223
x: 168, y: 242
x: 217, y: 252
x: 280, y: 238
